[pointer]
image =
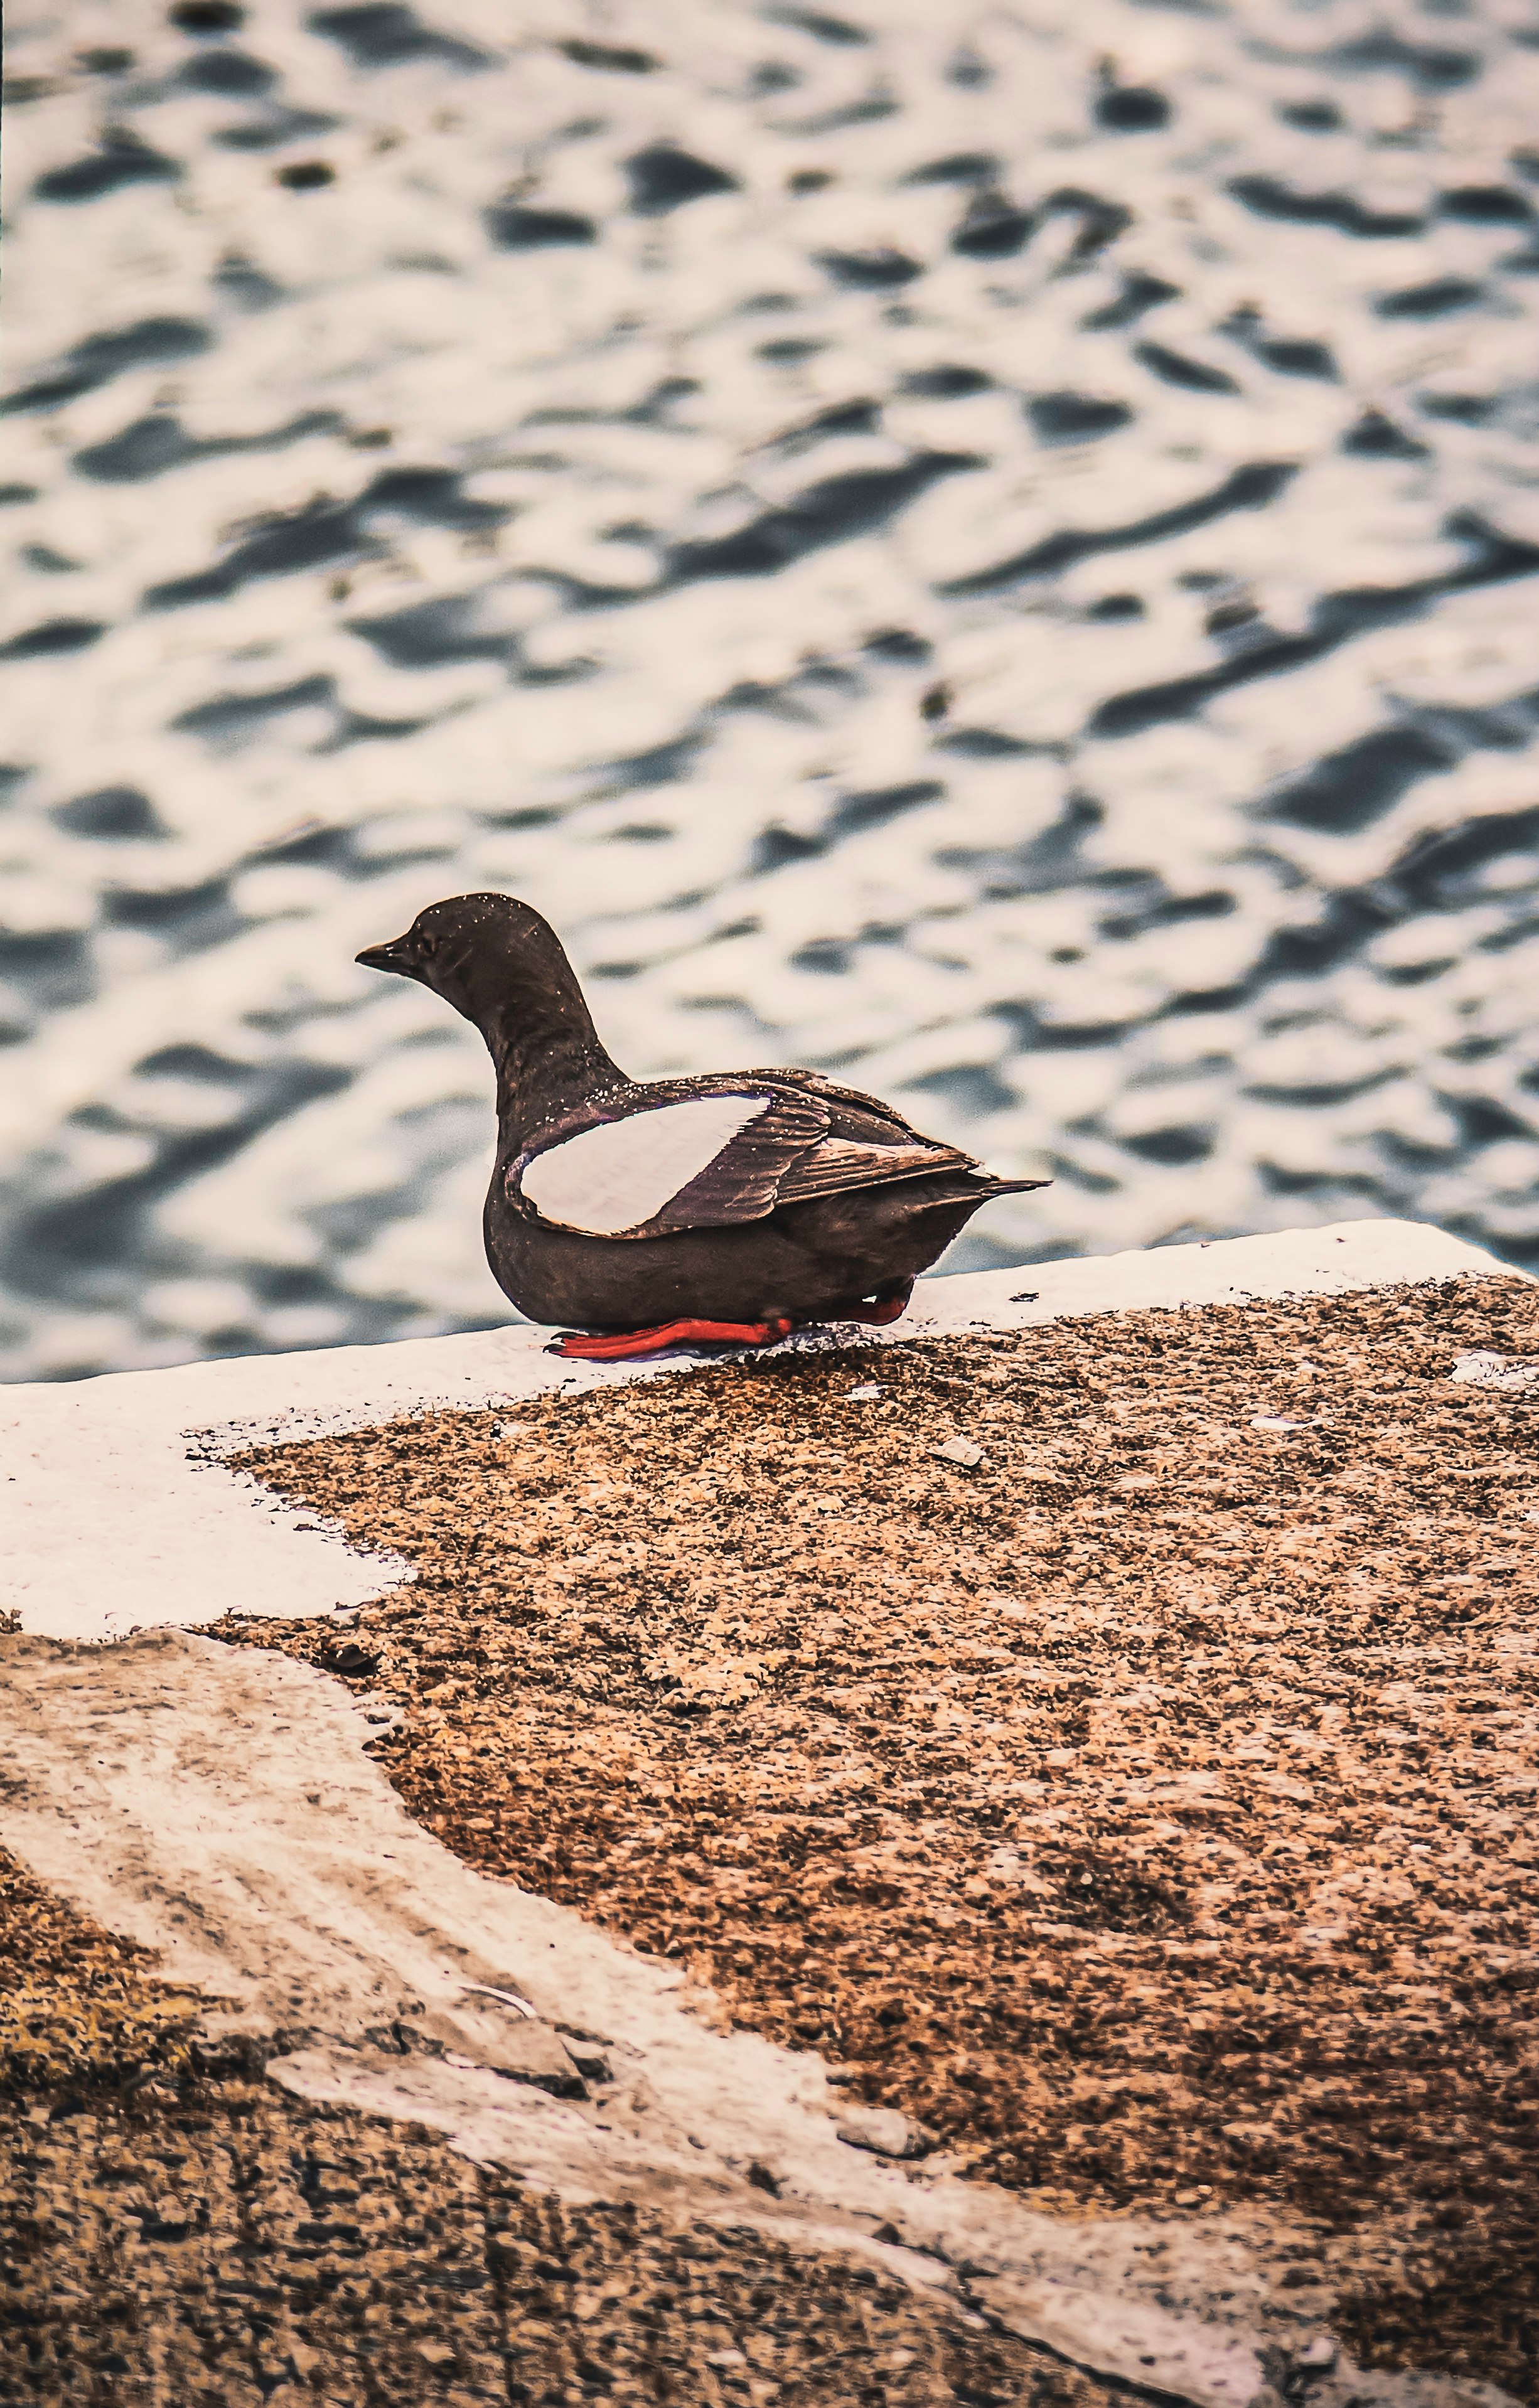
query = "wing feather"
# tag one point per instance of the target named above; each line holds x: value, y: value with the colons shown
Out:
x: 838, y: 1165
x: 687, y: 1155
x: 702, y: 1153
x: 744, y: 1181
x: 622, y: 1172
x: 863, y: 1120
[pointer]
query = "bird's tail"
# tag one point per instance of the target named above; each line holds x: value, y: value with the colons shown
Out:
x: 966, y: 1190
x: 986, y: 1184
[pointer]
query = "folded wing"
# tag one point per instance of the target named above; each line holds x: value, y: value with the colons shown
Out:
x: 839, y: 1164
x: 706, y: 1154
x: 657, y: 1162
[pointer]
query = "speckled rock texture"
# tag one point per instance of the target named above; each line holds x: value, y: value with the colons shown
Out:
x: 225, y: 2249
x: 177, y: 2233
x: 1148, y: 1810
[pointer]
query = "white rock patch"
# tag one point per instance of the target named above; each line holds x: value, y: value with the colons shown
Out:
x: 118, y: 1511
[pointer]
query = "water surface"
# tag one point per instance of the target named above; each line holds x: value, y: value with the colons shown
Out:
x: 989, y: 551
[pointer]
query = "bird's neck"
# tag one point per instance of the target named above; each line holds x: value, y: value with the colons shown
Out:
x: 546, y: 1065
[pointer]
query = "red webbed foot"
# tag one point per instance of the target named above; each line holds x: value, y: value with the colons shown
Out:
x: 630, y: 1345
x: 890, y: 1307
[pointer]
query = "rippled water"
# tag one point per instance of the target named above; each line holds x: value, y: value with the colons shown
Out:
x: 992, y: 550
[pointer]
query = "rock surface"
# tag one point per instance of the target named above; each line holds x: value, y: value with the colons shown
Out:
x: 1247, y: 1669
x: 1147, y: 1811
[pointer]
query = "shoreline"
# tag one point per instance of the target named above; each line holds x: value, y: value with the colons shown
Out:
x: 1039, y: 2261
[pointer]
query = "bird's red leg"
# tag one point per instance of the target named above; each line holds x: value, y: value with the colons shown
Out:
x: 627, y: 1345
x: 891, y: 1308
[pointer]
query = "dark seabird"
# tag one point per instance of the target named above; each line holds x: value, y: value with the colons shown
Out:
x: 730, y: 1208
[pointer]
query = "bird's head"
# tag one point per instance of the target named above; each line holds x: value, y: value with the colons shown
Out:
x: 500, y: 965
x: 477, y: 951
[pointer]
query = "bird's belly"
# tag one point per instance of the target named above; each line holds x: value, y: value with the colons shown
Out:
x: 557, y: 1276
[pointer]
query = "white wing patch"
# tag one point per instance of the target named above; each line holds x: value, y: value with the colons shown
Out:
x: 614, y: 1177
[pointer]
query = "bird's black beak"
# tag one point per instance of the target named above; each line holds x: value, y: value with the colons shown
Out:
x: 397, y: 957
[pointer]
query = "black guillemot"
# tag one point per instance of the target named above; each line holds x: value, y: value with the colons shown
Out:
x: 731, y: 1207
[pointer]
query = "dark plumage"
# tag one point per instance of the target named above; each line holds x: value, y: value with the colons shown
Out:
x: 734, y: 1206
